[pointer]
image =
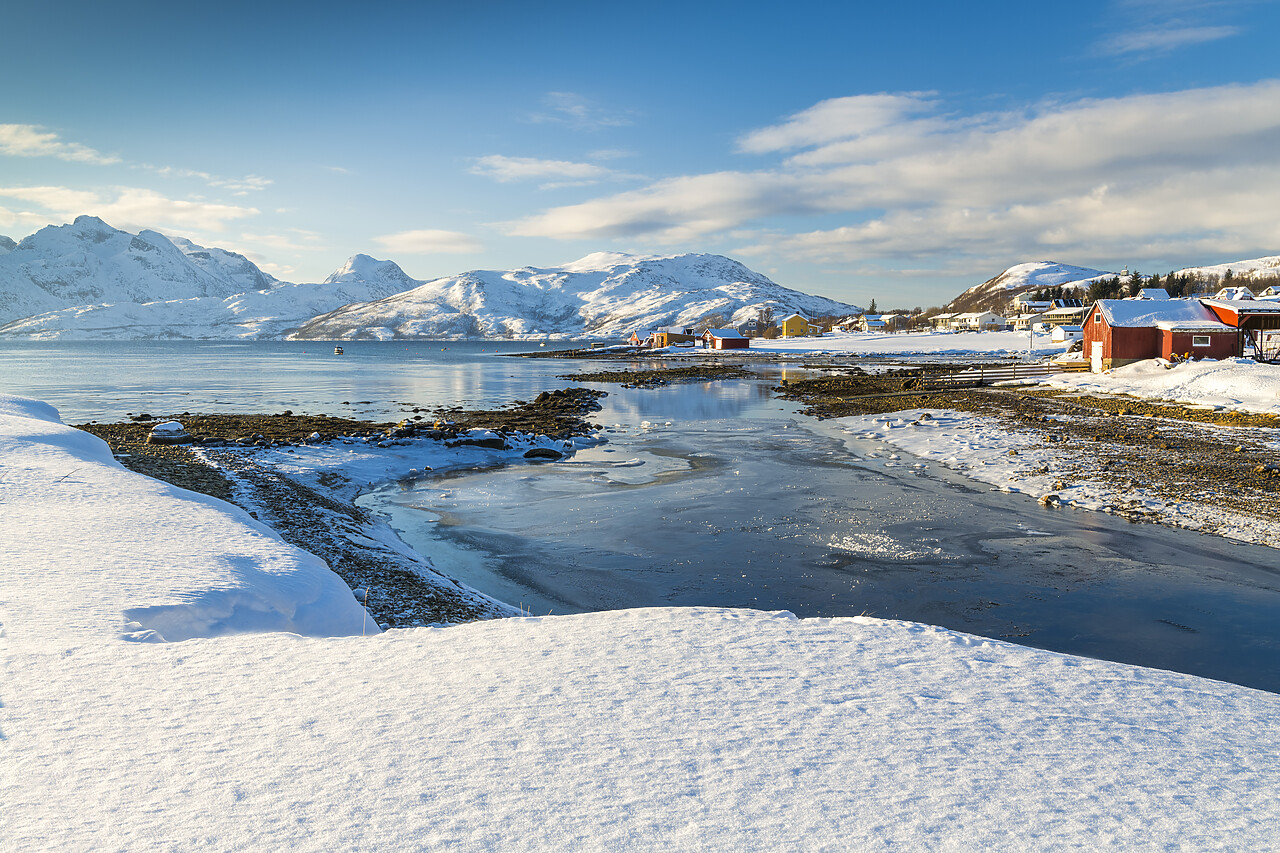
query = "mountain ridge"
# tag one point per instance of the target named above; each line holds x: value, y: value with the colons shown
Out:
x: 604, y: 294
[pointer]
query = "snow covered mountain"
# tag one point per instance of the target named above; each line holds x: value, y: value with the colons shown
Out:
x: 253, y: 314
x: 994, y: 293
x: 1245, y: 271
x: 605, y: 294
x: 88, y: 280
x: 89, y: 263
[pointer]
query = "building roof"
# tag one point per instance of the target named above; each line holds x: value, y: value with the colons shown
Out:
x: 1157, y: 293
x: 1205, y: 326
x: 723, y: 333
x: 789, y: 316
x: 1245, y: 306
x: 1147, y: 313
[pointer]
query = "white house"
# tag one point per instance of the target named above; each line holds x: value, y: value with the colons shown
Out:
x: 978, y: 321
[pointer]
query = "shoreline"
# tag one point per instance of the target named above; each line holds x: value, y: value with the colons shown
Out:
x: 241, y: 459
x: 1144, y: 460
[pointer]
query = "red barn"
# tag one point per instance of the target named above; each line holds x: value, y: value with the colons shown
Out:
x: 1121, y: 331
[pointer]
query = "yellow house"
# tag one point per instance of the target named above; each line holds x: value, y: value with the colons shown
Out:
x: 798, y: 326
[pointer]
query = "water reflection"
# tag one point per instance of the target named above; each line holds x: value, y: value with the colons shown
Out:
x: 106, y: 380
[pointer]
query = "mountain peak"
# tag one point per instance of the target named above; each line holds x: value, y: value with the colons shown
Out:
x: 384, y: 277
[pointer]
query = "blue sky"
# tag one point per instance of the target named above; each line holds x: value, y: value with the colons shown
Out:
x: 856, y: 150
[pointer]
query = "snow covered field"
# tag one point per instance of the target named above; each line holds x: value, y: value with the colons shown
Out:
x: 984, y: 449
x: 653, y: 729
x: 903, y: 343
x: 1236, y: 383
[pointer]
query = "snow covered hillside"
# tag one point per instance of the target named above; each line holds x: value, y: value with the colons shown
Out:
x: 604, y: 294
x: 662, y: 729
x: 1245, y: 271
x: 994, y: 293
x: 89, y: 263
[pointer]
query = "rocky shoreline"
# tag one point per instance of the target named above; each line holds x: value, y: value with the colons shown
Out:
x: 226, y: 460
x: 1222, y: 461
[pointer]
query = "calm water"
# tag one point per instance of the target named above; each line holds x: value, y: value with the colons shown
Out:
x: 717, y: 494
x: 372, y: 379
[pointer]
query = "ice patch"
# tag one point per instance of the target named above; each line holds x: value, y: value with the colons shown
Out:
x: 880, y: 546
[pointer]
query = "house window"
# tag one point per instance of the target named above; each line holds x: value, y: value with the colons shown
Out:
x: 1199, y: 340
x: 1097, y: 318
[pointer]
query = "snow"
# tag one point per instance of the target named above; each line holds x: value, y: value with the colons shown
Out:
x: 602, y: 295
x: 1139, y: 313
x: 179, y: 565
x: 660, y: 729
x: 1235, y: 383
x: 1038, y: 274
x: 985, y: 449
x: 1248, y: 269
x: 906, y: 343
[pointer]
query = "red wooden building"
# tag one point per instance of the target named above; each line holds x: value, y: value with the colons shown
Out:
x: 725, y: 339
x: 1122, y: 331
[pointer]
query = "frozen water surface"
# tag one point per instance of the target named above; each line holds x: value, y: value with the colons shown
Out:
x: 739, y: 502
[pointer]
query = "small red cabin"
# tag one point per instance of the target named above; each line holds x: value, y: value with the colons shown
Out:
x: 725, y: 339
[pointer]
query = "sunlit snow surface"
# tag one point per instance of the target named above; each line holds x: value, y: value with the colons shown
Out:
x: 652, y: 729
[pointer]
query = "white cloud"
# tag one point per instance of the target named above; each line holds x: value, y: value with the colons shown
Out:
x: 428, y: 241
x: 239, y: 186
x: 28, y: 140
x: 837, y: 119
x: 508, y: 169
x: 125, y: 207
x: 577, y: 112
x: 296, y: 240
x: 1163, y: 39
x: 1196, y: 167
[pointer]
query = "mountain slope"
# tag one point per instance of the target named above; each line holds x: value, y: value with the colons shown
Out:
x: 89, y: 262
x: 1245, y: 271
x: 994, y: 293
x: 605, y: 294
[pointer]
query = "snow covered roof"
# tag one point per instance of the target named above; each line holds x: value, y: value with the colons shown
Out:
x: 724, y: 333
x: 1144, y: 313
x: 1206, y: 326
x: 1245, y: 306
x: 1157, y: 293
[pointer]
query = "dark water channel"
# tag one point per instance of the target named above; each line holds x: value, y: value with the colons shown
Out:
x: 714, y: 495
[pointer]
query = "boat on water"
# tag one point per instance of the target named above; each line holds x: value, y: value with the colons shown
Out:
x: 337, y: 350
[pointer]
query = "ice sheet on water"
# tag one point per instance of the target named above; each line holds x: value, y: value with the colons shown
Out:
x: 881, y: 546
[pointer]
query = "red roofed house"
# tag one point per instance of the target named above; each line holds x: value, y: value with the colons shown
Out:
x: 1122, y: 331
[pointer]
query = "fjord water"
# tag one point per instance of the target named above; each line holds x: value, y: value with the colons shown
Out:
x: 105, y: 380
x: 717, y: 494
